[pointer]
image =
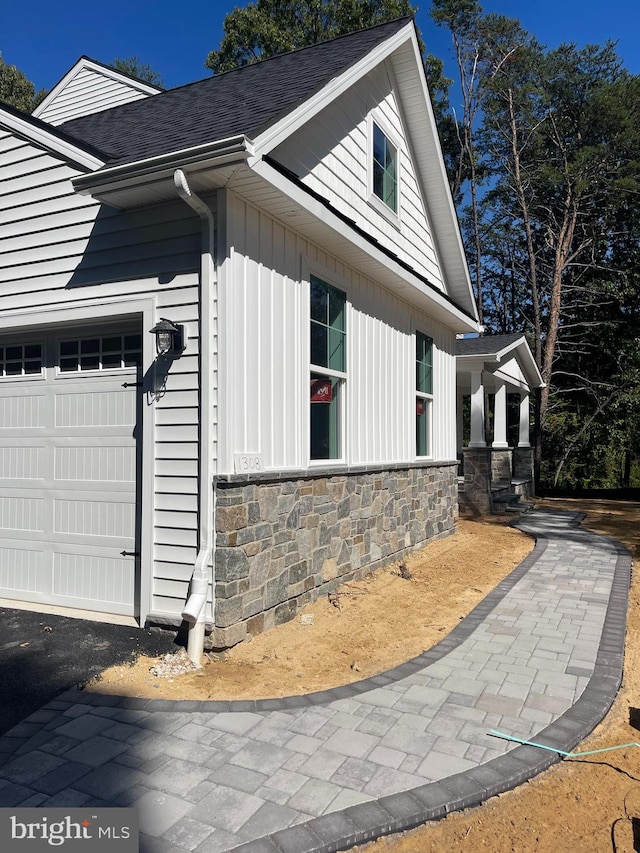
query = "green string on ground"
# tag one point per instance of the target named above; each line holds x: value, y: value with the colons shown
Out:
x: 560, y: 751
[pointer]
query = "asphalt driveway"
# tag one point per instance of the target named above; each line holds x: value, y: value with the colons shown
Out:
x: 42, y: 655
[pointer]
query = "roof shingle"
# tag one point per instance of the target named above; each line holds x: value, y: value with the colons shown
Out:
x: 486, y: 344
x: 244, y: 101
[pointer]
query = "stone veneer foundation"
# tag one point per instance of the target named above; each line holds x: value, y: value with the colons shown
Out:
x: 281, y: 542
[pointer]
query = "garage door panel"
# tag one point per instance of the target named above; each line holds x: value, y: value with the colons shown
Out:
x: 22, y: 410
x: 87, y: 410
x: 95, y: 464
x: 22, y: 461
x: 101, y: 578
x: 93, y: 518
x: 22, y: 568
x: 22, y: 513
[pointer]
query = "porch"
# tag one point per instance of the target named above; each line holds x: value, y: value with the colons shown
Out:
x: 495, y: 378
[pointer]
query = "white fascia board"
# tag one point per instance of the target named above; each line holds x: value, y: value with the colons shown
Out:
x: 129, y: 174
x: 470, y: 363
x: 459, y: 321
x: 521, y: 350
x: 528, y: 365
x: 277, y: 133
x: 436, y: 179
x: 87, y: 64
x: 49, y: 140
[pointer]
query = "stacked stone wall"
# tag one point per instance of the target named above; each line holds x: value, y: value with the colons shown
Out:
x: 282, y: 543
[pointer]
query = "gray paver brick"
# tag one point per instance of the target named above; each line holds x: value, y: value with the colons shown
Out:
x: 240, y: 778
x: 269, y: 818
x: 188, y: 833
x: 95, y: 751
x: 315, y: 796
x: 355, y: 744
x: 263, y: 757
x: 85, y: 726
x: 27, y: 768
x: 226, y: 808
x: 158, y: 812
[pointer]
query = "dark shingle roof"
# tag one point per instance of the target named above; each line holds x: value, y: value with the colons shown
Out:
x: 244, y: 101
x: 485, y: 344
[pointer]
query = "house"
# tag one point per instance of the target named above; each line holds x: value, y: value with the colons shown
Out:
x: 228, y: 319
x: 494, y: 368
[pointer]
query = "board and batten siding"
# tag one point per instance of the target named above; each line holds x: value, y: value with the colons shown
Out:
x: 264, y: 353
x: 331, y: 152
x: 58, y: 248
x: 89, y: 91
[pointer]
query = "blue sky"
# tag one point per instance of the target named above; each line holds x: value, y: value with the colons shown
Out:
x: 44, y: 38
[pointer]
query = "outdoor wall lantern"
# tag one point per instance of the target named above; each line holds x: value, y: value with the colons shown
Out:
x: 169, y: 338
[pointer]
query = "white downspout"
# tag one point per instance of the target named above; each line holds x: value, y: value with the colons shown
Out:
x: 194, y: 609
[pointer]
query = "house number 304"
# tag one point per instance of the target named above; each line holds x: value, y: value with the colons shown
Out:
x: 248, y: 463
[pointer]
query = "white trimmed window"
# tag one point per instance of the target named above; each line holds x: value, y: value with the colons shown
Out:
x: 20, y: 360
x: 108, y: 352
x: 384, y: 168
x: 328, y: 369
x: 424, y: 393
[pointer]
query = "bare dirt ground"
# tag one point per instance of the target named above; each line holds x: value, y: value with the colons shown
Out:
x: 365, y: 628
x: 579, y: 805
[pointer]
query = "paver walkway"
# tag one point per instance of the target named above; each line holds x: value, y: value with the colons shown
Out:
x: 540, y: 657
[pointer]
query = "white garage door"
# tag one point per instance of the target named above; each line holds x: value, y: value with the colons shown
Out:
x: 68, y: 468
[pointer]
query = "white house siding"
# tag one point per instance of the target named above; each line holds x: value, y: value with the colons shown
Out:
x: 264, y: 353
x: 330, y: 154
x: 61, y: 249
x: 88, y: 91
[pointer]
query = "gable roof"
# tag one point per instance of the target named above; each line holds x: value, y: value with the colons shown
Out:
x: 122, y: 87
x: 244, y: 101
x: 221, y: 130
x: 486, y: 345
x: 495, y: 350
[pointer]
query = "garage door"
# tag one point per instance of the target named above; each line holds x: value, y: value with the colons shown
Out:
x: 68, y: 468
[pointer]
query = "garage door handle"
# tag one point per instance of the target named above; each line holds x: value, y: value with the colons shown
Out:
x: 130, y: 553
x: 131, y: 384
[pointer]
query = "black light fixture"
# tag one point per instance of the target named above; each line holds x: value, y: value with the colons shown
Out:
x: 169, y: 338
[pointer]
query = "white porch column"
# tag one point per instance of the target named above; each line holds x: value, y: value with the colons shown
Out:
x: 500, y: 416
x: 460, y: 421
x: 523, y: 440
x: 477, y: 410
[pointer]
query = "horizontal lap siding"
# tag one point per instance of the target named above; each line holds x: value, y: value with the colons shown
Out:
x: 57, y: 247
x: 265, y: 379
x: 89, y: 91
x: 330, y: 154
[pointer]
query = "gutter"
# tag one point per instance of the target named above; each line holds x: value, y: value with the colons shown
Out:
x: 233, y: 149
x: 195, y: 606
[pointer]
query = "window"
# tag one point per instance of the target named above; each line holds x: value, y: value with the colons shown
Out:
x: 111, y: 352
x: 385, y: 169
x: 328, y: 369
x: 20, y: 360
x: 424, y: 393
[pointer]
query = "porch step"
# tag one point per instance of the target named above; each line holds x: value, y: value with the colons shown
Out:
x: 507, y: 501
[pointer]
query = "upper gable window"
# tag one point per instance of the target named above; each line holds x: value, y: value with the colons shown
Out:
x: 385, y: 169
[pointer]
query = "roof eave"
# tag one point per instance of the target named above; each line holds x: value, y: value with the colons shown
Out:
x: 51, y: 139
x: 217, y: 153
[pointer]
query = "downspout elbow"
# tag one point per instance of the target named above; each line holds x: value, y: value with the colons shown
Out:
x: 193, y: 611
